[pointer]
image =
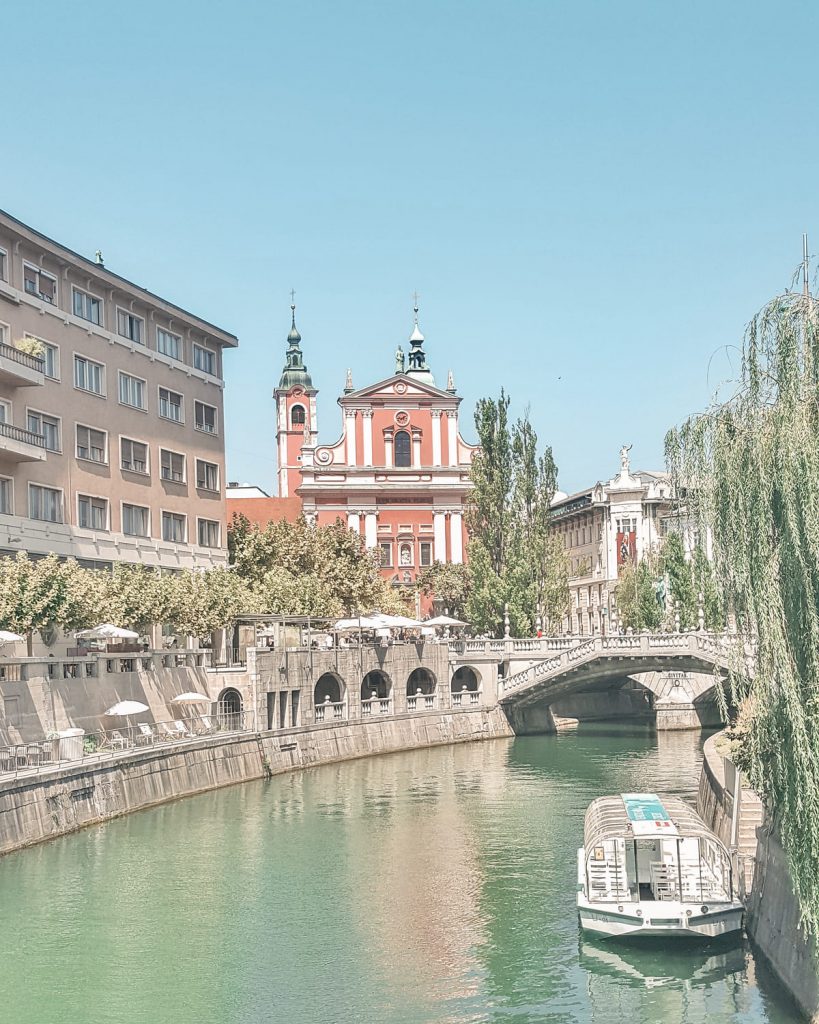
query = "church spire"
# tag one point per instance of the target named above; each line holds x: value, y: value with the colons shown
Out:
x: 416, y: 357
x: 294, y: 372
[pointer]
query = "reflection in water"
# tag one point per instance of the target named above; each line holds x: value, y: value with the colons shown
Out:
x: 433, y: 886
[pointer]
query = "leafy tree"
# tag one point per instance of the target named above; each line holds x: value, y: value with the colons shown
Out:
x: 37, y: 594
x: 638, y: 606
x: 678, y: 569
x: 199, y: 603
x: 449, y: 583
x: 514, y: 559
x: 704, y: 583
x: 750, y: 467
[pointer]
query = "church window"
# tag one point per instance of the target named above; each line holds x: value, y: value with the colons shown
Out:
x: 403, y: 455
x: 297, y: 416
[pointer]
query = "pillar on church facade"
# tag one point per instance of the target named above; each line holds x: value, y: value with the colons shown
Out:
x: 416, y: 449
x: 353, y: 522
x: 452, y: 437
x: 388, y: 448
x: 283, y: 489
x: 436, y: 437
x: 349, y: 431
x: 370, y: 529
x: 456, y: 538
x: 439, y: 535
x: 367, y: 434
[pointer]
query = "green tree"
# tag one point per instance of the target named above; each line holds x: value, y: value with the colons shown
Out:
x: 513, y: 557
x: 750, y: 467
x: 449, y: 583
x: 199, y: 603
x: 706, y: 585
x: 638, y: 606
x: 678, y: 569
x: 37, y: 594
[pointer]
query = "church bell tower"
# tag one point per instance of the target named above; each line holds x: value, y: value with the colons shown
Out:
x: 295, y: 413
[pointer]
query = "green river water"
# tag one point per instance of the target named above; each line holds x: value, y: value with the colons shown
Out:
x: 431, y: 886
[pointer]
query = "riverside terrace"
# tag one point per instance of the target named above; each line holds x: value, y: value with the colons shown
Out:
x: 294, y: 687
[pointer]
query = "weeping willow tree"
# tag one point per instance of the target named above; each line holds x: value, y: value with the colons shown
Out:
x: 749, y: 469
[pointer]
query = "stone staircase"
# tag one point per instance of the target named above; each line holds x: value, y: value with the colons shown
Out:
x: 751, y: 814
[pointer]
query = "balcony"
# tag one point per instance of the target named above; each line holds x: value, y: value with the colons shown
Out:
x: 19, y: 445
x: 20, y: 369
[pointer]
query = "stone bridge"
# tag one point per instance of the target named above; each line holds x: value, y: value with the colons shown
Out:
x: 677, y: 673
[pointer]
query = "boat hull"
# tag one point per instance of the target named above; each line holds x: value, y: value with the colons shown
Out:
x: 674, y: 920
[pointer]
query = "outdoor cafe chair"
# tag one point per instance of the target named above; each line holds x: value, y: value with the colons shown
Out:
x: 182, y: 730
x: 147, y: 733
x: 116, y: 740
x: 167, y: 731
x: 34, y: 753
x: 207, y: 723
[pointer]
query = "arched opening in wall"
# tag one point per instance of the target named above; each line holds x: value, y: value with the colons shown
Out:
x: 328, y: 685
x: 297, y: 416
x: 376, y: 684
x: 420, y: 679
x: 463, y: 678
x: 403, y: 449
x: 229, y: 709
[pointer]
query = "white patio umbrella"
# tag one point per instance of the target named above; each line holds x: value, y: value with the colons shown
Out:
x: 126, y: 708
x: 107, y: 631
x: 445, y: 620
x: 190, y: 698
x: 398, y: 621
x: 362, y: 622
x: 7, y: 637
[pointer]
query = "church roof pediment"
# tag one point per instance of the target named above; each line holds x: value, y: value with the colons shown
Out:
x: 400, y: 385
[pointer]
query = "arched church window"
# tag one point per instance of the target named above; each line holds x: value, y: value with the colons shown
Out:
x: 403, y: 456
x: 297, y: 416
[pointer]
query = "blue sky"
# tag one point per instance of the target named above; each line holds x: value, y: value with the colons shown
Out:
x: 591, y: 199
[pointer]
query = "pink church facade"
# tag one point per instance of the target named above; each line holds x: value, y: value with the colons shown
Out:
x: 399, y: 472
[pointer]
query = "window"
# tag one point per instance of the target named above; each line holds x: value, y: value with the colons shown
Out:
x: 426, y: 552
x: 87, y: 306
x: 403, y: 456
x: 297, y: 416
x: 5, y: 411
x: 168, y: 344
x: 6, y: 499
x: 129, y: 326
x: 5, y: 337
x: 133, y: 455
x: 45, y: 503
x: 204, y: 359
x: 205, y: 417
x: 135, y: 520
x: 88, y: 375
x: 37, y: 282
x: 50, y: 356
x: 173, y: 527
x: 131, y: 391
x: 93, y: 512
x: 91, y: 444
x: 386, y: 555
x: 207, y: 475
x: 208, y: 533
x: 48, y: 426
x: 171, y: 466
x: 170, y: 405
x: 4, y: 265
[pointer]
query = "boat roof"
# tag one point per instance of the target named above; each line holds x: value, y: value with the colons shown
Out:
x: 641, y: 815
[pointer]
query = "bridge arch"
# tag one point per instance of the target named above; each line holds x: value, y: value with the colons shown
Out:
x: 377, y: 683
x: 421, y: 679
x: 329, y: 685
x: 465, y: 677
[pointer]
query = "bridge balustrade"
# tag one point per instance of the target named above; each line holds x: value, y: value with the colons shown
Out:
x: 377, y: 705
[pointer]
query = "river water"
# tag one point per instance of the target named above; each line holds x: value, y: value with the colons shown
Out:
x: 431, y: 886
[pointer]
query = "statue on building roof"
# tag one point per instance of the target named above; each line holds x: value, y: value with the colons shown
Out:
x: 399, y: 360
x: 625, y: 461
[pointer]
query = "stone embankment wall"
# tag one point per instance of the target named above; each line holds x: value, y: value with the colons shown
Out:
x: 64, y: 799
x: 772, y: 919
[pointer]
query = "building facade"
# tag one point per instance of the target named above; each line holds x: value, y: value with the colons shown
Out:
x: 111, y: 414
x: 399, y: 472
x: 601, y: 529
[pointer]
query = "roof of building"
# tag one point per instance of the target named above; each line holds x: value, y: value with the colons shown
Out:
x: 100, y: 269
x: 261, y: 511
x: 234, y: 490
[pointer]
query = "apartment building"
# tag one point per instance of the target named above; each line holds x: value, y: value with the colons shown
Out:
x: 602, y: 528
x: 111, y: 414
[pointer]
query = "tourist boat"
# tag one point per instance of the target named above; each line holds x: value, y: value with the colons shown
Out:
x: 651, y: 866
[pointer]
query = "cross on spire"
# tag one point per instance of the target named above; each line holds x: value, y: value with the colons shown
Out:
x: 415, y: 298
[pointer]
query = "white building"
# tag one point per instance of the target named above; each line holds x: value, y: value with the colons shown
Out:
x: 602, y: 528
